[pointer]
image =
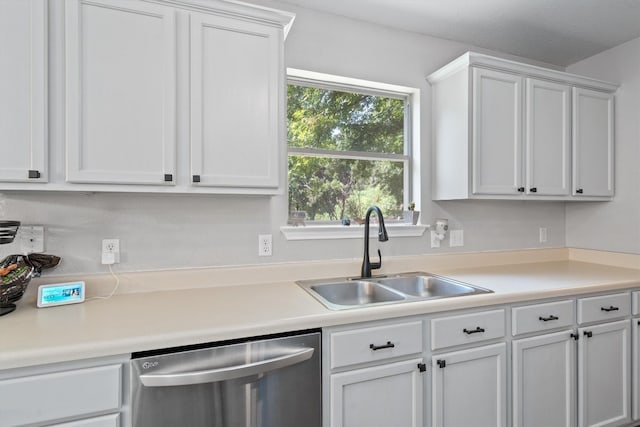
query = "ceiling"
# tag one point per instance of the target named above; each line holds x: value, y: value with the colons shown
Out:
x: 559, y: 32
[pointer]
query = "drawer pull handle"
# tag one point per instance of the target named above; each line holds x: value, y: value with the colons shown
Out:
x: 588, y: 334
x: 546, y: 319
x: 473, y: 331
x: 374, y: 347
x: 610, y: 308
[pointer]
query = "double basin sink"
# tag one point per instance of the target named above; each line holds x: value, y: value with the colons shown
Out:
x: 340, y: 294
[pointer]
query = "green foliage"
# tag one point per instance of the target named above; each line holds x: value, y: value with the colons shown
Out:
x: 331, y: 188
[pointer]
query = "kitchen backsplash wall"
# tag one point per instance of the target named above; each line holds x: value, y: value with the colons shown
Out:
x: 174, y: 231
x: 614, y: 226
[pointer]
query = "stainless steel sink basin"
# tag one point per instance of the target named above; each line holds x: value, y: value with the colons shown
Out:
x: 427, y: 286
x: 355, y: 293
x: 340, y: 294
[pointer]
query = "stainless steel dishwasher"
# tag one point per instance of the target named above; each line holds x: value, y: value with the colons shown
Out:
x: 268, y: 382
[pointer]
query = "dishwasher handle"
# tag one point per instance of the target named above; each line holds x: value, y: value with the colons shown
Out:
x: 226, y: 373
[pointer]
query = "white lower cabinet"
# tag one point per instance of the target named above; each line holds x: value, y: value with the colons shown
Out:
x: 374, y: 376
x: 378, y: 396
x: 75, y: 394
x: 544, y: 381
x: 604, y: 375
x: 636, y: 368
x: 635, y: 354
x: 469, y: 387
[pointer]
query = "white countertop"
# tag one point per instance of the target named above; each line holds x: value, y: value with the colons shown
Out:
x: 141, y: 321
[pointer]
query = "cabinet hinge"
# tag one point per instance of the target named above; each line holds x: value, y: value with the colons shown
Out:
x: 588, y: 334
x: 422, y: 367
x: 575, y: 336
x: 196, y: 178
x: 168, y: 177
x: 33, y: 174
x: 441, y: 363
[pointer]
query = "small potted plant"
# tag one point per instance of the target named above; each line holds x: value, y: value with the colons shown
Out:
x: 411, y: 216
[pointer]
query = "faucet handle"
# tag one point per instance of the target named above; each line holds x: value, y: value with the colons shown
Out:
x: 377, y: 265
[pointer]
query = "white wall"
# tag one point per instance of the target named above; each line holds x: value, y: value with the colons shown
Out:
x: 614, y: 226
x: 173, y: 231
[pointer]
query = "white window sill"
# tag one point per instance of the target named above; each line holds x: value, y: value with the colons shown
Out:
x: 318, y: 232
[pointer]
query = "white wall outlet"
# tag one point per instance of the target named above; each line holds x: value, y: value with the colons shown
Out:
x: 435, y: 241
x: 265, y: 242
x: 31, y: 239
x: 110, y: 251
x: 543, y: 234
x: 456, y: 238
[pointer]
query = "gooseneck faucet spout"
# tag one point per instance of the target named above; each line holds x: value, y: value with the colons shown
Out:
x: 367, y: 265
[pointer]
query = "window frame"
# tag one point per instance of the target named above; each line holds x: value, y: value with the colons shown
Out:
x: 410, y: 155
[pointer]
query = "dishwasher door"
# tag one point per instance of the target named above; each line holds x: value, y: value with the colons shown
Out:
x: 271, y: 382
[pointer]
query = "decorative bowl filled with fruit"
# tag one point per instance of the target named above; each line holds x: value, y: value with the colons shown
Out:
x: 16, y: 272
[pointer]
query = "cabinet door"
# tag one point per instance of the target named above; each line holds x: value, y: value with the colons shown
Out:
x: 636, y: 369
x: 379, y: 396
x: 592, y: 143
x: 548, y: 124
x: 544, y: 381
x: 497, y: 132
x: 469, y: 387
x: 121, y: 88
x: 604, y: 375
x: 236, y: 99
x: 23, y: 90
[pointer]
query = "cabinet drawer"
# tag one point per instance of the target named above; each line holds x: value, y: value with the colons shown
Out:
x: 542, y: 317
x: 375, y: 343
x: 112, y: 420
x: 48, y: 397
x: 604, y: 307
x: 636, y: 302
x: 467, y: 328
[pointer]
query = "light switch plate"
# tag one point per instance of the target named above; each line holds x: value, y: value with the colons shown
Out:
x: 31, y: 239
x: 456, y: 238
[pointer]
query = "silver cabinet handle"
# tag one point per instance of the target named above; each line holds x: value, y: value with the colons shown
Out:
x: 226, y: 373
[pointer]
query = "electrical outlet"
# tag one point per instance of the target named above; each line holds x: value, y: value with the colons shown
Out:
x: 435, y: 242
x: 110, y: 251
x: 543, y: 234
x: 265, y: 242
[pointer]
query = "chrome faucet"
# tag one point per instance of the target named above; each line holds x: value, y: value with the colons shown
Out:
x: 367, y: 265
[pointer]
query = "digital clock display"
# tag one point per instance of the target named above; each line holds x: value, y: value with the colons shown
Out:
x: 60, y: 293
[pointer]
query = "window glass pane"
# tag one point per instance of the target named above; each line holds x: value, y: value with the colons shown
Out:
x: 331, y: 119
x: 334, y: 189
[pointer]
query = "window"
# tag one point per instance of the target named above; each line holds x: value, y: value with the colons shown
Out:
x: 349, y: 147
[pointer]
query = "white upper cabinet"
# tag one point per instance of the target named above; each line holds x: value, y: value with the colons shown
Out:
x: 181, y: 94
x: 548, y: 137
x: 592, y: 143
x: 121, y: 86
x: 236, y: 73
x: 23, y: 91
x: 504, y: 130
x: 496, y: 132
x: 171, y: 96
